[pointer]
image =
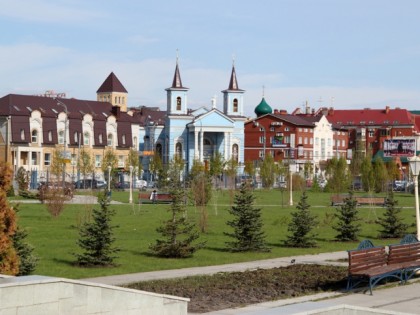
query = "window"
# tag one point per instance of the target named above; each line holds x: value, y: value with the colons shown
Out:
x: 300, y: 140
x: 311, y: 141
x: 135, y: 143
x: 371, y: 133
x: 317, y: 141
x: 98, y: 161
x: 305, y: 140
x: 178, y: 149
x: 287, y: 139
x: 47, y: 159
x: 272, y: 129
x: 235, y: 105
x: 61, y: 137
x: 34, y: 137
x: 300, y: 129
x: 261, y: 153
x: 262, y: 140
x: 75, y: 137
x: 123, y: 139
x: 235, y: 151
x: 305, y: 130
x: 286, y: 153
x: 100, y: 138
x: 343, y: 143
x: 49, y: 135
x: 109, y: 140
x: 286, y: 129
x: 73, y: 160
x: 121, y: 161
x: 178, y: 103
x: 22, y: 134
x: 329, y: 142
x: 86, y: 138
x: 34, y: 158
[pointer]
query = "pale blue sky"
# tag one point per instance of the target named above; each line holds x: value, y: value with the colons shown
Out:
x: 362, y: 53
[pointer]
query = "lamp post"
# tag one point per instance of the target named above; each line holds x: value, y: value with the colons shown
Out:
x: 414, y: 163
x: 109, y: 178
x: 65, y: 139
x: 130, y: 200
x: 290, y: 184
x: 257, y: 124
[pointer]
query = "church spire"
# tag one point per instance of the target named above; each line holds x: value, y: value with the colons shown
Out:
x: 233, y: 84
x: 177, y: 83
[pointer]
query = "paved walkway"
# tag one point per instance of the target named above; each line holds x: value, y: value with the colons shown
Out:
x: 395, y: 300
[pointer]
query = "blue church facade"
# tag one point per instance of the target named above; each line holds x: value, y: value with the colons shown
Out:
x: 193, y: 134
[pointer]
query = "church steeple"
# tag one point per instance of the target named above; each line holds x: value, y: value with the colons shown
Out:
x: 233, y: 96
x: 177, y: 94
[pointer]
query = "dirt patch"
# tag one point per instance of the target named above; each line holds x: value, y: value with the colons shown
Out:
x: 235, y: 289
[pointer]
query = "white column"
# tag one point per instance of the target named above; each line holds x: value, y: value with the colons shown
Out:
x: 196, y: 155
x: 201, y: 145
x: 226, y: 146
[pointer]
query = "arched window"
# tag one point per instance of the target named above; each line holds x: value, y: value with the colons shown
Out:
x: 61, y: 137
x: 86, y: 137
x: 34, y: 137
x: 178, y: 149
x: 178, y: 103
x: 109, y: 139
x: 235, y: 152
x: 22, y: 134
x: 235, y: 105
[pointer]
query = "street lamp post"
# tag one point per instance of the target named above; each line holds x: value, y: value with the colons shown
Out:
x: 290, y: 184
x: 65, y: 139
x: 109, y: 178
x: 414, y: 163
x: 130, y: 200
x: 257, y: 124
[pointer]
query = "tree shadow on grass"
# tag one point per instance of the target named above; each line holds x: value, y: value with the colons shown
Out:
x: 218, y: 249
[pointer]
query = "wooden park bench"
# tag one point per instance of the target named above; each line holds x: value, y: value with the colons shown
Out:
x: 373, y: 264
x: 375, y: 201
x: 160, y: 197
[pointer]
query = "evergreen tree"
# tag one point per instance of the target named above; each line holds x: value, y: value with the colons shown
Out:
x: 27, y: 260
x: 392, y: 225
x: 301, y: 225
x: 247, y: 224
x: 96, y: 237
x: 9, y: 260
x: 179, y: 234
x: 347, y: 225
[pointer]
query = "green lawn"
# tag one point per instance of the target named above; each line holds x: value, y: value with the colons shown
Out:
x: 55, y: 239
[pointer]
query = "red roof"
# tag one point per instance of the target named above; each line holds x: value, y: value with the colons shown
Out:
x: 111, y: 84
x: 366, y: 117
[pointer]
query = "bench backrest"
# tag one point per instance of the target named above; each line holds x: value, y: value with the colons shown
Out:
x: 401, y: 253
x: 362, y: 259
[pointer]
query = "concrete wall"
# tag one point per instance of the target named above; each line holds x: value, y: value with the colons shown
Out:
x: 45, y: 295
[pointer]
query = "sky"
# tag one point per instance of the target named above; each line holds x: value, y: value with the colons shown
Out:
x: 346, y: 54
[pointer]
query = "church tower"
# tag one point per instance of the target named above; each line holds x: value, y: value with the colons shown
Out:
x: 114, y: 92
x: 233, y: 97
x: 177, y: 95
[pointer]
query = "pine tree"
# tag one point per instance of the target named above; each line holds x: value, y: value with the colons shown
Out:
x: 347, y: 225
x: 247, y: 224
x: 27, y: 260
x: 96, y: 237
x: 179, y: 234
x: 9, y: 261
x: 301, y: 225
x: 392, y: 225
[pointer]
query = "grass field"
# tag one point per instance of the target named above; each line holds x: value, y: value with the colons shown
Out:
x: 55, y: 239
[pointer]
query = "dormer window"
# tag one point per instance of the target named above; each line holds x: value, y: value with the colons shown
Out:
x: 86, y: 138
x: 49, y: 135
x: 34, y: 136
x: 123, y: 139
x: 109, y: 140
x: 22, y: 134
x: 100, y: 138
x: 61, y: 137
